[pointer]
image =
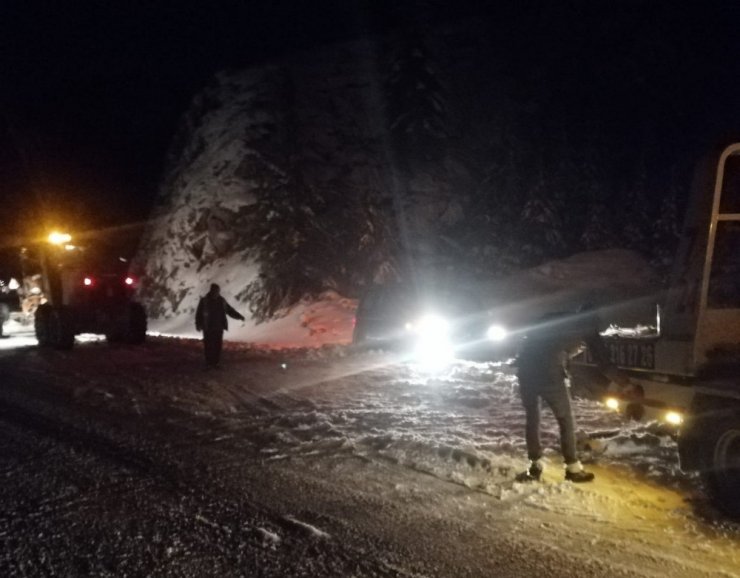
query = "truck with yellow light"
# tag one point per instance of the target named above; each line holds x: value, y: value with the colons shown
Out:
x: 83, y: 290
x: 684, y: 363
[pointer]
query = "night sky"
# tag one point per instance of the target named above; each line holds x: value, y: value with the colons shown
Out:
x: 91, y: 92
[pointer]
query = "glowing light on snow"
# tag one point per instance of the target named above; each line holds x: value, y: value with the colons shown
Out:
x: 17, y: 342
x: 434, y: 352
x: 89, y: 337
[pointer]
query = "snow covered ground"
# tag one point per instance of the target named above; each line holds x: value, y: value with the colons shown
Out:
x: 332, y: 406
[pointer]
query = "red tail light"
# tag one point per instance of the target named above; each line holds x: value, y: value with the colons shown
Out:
x: 129, y: 281
x: 88, y: 282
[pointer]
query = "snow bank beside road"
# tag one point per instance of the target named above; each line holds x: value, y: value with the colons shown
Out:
x: 620, y: 282
x: 604, y: 278
x: 309, y: 324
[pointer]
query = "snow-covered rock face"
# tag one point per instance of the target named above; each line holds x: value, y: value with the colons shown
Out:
x: 204, y: 198
x: 236, y: 145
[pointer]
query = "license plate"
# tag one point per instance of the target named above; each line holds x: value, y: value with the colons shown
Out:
x: 636, y: 354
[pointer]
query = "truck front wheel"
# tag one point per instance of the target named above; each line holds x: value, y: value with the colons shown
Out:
x: 136, y: 330
x: 41, y: 324
x: 722, y: 478
x: 61, y: 331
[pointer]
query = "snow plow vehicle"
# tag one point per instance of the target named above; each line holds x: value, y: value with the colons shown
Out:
x: 685, y: 362
x: 83, y: 292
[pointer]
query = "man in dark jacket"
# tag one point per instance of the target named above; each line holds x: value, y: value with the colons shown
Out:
x: 543, y: 375
x: 210, y: 318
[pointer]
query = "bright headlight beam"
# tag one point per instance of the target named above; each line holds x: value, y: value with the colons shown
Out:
x: 432, y: 324
x: 496, y: 333
x: 57, y: 238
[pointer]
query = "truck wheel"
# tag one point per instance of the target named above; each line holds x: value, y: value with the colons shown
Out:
x: 722, y: 479
x: 41, y: 324
x: 136, y: 330
x: 61, y: 331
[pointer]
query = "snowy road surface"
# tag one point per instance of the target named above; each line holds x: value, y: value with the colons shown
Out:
x: 136, y: 461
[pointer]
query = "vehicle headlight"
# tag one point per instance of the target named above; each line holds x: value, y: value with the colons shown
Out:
x: 432, y: 325
x: 497, y: 333
x: 673, y: 417
x: 433, y: 348
x: 612, y: 403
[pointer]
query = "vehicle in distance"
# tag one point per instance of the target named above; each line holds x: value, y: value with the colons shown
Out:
x: 429, y: 323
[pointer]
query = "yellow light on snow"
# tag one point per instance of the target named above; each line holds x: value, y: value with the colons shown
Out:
x: 674, y: 418
x: 612, y: 403
x: 57, y: 238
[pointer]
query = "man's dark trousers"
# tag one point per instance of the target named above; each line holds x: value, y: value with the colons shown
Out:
x: 555, y: 393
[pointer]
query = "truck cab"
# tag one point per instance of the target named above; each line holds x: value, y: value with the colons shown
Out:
x: 85, y: 291
x: 684, y: 362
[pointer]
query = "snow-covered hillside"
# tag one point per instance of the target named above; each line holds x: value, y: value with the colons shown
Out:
x: 235, y: 143
x: 240, y: 143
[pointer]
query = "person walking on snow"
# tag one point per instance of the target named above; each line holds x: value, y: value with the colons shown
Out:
x: 543, y: 375
x: 210, y: 318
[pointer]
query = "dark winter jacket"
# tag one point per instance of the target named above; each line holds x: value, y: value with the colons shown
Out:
x: 548, y: 348
x: 211, y: 314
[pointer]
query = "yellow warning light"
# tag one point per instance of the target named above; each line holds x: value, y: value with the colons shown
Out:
x: 612, y: 403
x: 57, y: 238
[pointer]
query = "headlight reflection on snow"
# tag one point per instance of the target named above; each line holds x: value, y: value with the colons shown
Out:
x: 433, y: 353
x: 433, y: 350
x: 15, y: 339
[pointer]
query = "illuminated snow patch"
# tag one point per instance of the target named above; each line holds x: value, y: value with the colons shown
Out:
x: 269, y: 537
x: 312, y: 530
x: 18, y: 341
x: 89, y: 338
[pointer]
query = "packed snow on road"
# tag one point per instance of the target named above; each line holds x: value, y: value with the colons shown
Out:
x: 346, y: 455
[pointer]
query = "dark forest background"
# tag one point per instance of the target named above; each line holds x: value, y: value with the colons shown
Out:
x: 511, y: 142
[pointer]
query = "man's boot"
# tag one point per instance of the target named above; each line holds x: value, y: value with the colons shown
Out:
x: 532, y: 474
x: 575, y: 473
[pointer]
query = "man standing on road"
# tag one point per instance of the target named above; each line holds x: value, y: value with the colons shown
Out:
x: 210, y: 318
x: 543, y: 375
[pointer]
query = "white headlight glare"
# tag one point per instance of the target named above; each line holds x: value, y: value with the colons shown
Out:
x: 433, y: 352
x: 431, y: 323
x: 496, y: 333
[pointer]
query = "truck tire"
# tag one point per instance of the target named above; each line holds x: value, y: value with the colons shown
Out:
x: 722, y: 477
x: 136, y: 330
x: 41, y: 324
x: 4, y: 316
x: 61, y: 329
